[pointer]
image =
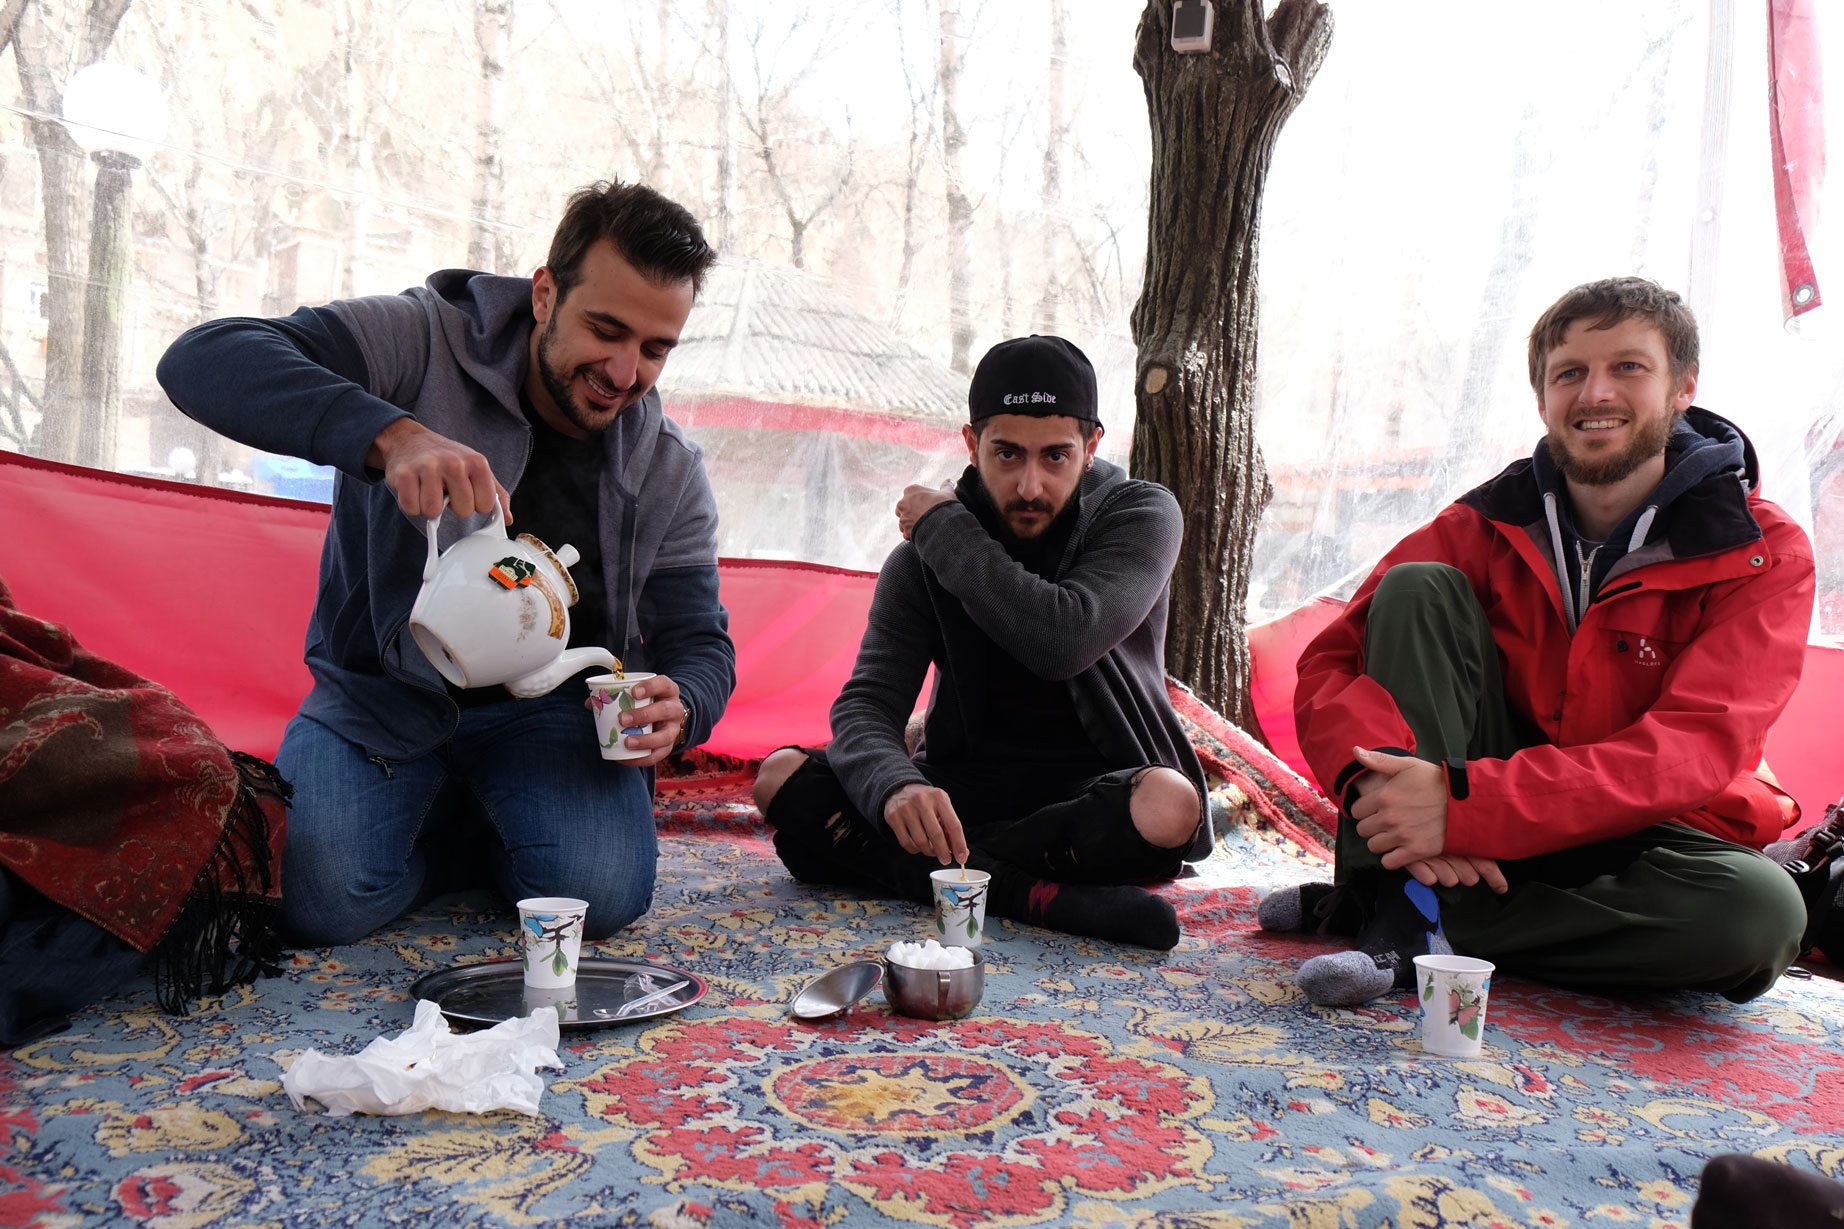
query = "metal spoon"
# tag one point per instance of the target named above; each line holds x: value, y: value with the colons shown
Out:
x: 834, y: 992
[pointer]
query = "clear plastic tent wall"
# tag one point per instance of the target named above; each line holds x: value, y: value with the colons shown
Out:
x: 1454, y: 167
x: 1439, y: 190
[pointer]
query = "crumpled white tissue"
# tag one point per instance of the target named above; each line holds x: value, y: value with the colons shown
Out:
x: 427, y: 1067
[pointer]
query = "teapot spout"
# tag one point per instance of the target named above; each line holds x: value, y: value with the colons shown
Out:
x: 542, y: 682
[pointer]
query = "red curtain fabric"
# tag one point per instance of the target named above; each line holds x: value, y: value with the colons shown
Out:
x: 207, y: 592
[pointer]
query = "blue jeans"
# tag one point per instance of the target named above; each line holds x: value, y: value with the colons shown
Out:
x: 52, y: 963
x: 559, y: 820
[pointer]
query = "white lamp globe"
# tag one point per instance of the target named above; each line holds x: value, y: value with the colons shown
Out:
x: 113, y: 107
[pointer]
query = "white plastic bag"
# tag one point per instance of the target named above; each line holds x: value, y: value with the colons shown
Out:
x: 427, y: 1067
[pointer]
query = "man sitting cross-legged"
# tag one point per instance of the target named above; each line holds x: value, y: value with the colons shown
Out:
x: 1051, y: 756
x: 1549, y: 705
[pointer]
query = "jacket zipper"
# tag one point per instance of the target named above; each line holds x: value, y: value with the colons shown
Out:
x: 1587, y: 572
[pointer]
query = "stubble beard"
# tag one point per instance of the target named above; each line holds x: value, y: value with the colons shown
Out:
x: 559, y: 387
x: 1648, y: 442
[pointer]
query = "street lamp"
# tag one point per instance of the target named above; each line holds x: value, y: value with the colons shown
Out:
x: 118, y: 116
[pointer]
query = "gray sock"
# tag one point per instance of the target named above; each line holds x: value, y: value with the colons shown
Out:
x: 1345, y: 979
x: 1292, y: 910
x: 1281, y: 911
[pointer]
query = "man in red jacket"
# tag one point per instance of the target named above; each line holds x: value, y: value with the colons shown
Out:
x: 1544, y: 712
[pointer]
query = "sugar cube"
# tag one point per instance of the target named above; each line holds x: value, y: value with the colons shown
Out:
x: 930, y: 955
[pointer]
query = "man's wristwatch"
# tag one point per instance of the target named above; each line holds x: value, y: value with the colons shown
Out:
x: 685, y: 724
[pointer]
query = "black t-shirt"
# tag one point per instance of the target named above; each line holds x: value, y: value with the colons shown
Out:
x: 558, y: 504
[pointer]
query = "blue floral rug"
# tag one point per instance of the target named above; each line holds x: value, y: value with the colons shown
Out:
x: 1096, y: 1085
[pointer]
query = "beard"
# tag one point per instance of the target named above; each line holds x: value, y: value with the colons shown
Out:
x: 1029, y: 505
x: 1649, y: 437
x: 1055, y: 518
x: 557, y: 384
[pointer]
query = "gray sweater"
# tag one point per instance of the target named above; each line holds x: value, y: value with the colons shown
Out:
x: 322, y: 383
x: 1099, y: 626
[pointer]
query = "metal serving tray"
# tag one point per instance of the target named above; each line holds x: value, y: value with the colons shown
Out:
x: 495, y: 990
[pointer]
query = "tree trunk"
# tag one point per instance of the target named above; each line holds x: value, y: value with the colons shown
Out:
x: 111, y: 254
x: 493, y: 41
x: 725, y: 236
x: 1498, y: 297
x: 9, y: 18
x: 960, y: 208
x: 47, y: 48
x: 1049, y: 304
x: 1215, y: 118
x: 921, y: 142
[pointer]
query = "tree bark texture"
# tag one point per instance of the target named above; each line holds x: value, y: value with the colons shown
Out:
x: 960, y: 207
x: 1050, y: 302
x: 1215, y: 117
x: 49, y: 44
x: 486, y: 246
x: 111, y: 254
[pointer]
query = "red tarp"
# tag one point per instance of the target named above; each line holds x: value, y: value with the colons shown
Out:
x: 1796, y: 135
x: 208, y: 592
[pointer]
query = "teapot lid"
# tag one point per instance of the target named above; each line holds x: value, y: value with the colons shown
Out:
x: 557, y: 563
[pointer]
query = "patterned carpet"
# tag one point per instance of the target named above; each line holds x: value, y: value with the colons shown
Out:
x: 1096, y: 1085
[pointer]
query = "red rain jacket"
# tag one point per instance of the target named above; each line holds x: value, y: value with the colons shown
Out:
x: 1656, y: 708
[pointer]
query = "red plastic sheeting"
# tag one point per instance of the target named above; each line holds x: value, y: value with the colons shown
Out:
x: 1796, y: 136
x: 204, y: 591
x: 208, y: 592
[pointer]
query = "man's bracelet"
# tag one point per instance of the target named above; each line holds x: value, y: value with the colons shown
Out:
x: 684, y: 724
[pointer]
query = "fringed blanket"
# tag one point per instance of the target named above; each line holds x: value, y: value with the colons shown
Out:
x: 118, y: 804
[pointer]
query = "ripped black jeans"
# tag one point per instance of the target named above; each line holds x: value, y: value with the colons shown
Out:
x: 1039, y: 820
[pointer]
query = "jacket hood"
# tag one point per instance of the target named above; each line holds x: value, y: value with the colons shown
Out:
x: 1701, y: 445
x: 1699, y: 507
x: 488, y: 322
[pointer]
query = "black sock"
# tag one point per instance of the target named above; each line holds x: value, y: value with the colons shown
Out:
x: 1118, y: 914
x: 1399, y: 927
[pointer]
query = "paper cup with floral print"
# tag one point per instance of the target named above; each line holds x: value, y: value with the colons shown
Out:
x: 611, y: 698
x: 1453, y: 991
x: 551, y: 939
x: 960, y: 906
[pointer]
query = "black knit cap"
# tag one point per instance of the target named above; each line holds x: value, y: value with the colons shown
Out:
x: 1036, y: 375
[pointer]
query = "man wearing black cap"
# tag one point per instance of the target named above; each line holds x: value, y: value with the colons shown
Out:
x: 1050, y: 755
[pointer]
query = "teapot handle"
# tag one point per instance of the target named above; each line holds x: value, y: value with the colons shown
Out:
x: 435, y: 553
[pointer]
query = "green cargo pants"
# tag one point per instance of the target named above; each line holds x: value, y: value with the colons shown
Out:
x: 1667, y: 908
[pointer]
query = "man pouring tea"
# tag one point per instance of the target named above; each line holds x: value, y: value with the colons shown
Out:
x: 538, y: 395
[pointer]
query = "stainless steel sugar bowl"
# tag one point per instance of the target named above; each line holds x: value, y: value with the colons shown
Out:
x: 935, y: 994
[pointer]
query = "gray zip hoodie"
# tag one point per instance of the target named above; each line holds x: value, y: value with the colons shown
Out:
x: 322, y: 383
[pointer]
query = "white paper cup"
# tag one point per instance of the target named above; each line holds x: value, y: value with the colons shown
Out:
x: 960, y: 906
x: 1453, y: 992
x: 551, y: 939
x: 611, y: 699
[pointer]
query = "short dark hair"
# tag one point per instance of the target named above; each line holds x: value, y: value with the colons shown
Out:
x: 1087, y: 426
x: 659, y: 237
x: 1609, y: 302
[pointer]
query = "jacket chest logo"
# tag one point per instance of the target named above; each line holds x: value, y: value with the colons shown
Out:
x: 1643, y: 653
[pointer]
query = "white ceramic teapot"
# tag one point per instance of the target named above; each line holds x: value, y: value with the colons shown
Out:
x: 495, y: 609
